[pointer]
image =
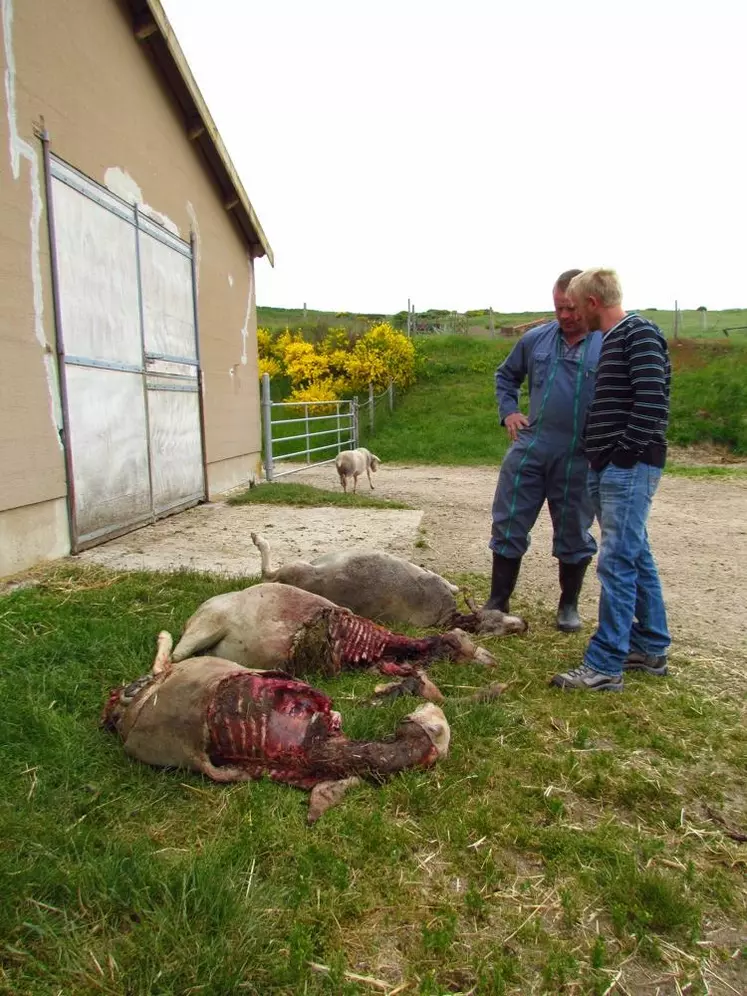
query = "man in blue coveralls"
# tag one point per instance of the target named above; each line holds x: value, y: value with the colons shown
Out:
x: 546, y: 460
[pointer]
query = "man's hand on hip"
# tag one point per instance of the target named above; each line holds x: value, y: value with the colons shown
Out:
x: 514, y: 424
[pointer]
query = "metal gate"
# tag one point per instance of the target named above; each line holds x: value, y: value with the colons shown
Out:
x: 340, y: 420
x: 128, y: 356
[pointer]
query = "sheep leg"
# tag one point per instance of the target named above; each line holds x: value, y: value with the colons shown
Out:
x: 355, y: 483
x: 163, y: 654
x: 229, y: 773
x: 203, y: 635
x: 264, y: 552
x: 395, y: 669
x: 325, y: 795
x: 368, y: 471
x: 343, y: 482
x: 417, y: 684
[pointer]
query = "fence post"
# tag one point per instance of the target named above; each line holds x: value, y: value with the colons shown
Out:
x: 267, y: 424
x: 339, y: 429
x: 370, y: 407
x: 354, y: 416
x: 390, y: 392
x: 492, y: 325
x: 306, y: 430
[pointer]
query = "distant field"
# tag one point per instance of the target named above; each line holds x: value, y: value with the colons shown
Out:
x: 694, y: 324
x: 449, y: 415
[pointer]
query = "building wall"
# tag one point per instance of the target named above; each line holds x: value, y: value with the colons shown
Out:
x: 75, y: 67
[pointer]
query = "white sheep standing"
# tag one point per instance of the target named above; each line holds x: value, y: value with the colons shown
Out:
x: 352, y: 463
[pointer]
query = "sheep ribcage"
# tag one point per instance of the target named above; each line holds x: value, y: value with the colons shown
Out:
x: 358, y: 641
x: 267, y: 726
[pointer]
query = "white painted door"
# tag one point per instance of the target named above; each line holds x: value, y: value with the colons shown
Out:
x: 131, y: 369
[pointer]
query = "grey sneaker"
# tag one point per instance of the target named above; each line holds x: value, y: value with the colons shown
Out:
x: 637, y: 661
x: 587, y: 678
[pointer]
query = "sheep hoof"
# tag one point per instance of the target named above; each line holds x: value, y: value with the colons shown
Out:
x: 484, y: 656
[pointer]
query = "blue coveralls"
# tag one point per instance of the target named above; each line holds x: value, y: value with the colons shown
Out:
x: 546, y: 461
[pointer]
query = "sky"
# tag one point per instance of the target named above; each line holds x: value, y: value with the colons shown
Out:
x: 462, y: 154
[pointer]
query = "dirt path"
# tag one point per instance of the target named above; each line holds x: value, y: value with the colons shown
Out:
x: 698, y: 529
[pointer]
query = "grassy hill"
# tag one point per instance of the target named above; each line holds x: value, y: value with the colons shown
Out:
x: 449, y: 415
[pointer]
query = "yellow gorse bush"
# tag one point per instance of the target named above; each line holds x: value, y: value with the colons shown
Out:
x: 336, y: 367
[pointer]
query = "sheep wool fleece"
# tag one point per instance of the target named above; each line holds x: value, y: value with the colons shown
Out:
x: 547, y: 461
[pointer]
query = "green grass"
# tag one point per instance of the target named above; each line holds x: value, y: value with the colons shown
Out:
x: 565, y: 838
x: 307, y: 496
x: 688, y: 470
x: 709, y: 396
x: 449, y: 416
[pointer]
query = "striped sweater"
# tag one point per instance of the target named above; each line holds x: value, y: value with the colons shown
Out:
x: 627, y: 420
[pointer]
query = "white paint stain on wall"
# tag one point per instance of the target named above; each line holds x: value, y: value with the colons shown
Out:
x: 195, y: 225
x: 230, y: 280
x: 123, y: 185
x: 21, y: 149
x: 249, y: 301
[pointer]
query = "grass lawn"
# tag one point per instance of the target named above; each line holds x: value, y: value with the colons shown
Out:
x: 566, y: 839
x: 307, y: 496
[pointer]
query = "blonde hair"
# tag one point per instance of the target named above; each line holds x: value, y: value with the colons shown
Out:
x: 602, y: 284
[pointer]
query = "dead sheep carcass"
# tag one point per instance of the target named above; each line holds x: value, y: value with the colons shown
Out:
x: 234, y: 724
x: 280, y: 626
x: 353, y: 463
x: 386, y: 588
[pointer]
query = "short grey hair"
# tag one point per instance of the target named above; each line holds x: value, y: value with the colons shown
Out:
x: 565, y: 278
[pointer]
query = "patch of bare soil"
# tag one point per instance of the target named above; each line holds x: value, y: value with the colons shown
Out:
x: 216, y: 537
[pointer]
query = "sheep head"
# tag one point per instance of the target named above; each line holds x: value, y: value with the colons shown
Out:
x: 431, y: 718
x: 493, y: 622
x: 120, y: 700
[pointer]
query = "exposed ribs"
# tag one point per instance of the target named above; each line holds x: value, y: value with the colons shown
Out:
x: 286, y: 729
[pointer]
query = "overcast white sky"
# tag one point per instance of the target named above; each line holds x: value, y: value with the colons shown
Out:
x: 464, y: 153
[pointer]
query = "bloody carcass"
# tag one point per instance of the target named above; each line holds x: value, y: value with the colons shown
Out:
x: 278, y: 625
x: 231, y: 723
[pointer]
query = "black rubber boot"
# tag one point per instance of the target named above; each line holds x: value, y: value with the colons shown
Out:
x: 503, y: 582
x: 571, y: 579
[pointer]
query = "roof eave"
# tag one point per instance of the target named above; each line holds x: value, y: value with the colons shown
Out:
x: 151, y: 23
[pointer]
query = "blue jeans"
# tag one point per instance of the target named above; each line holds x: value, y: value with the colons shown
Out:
x: 632, y: 615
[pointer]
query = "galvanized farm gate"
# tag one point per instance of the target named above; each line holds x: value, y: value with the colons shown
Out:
x: 342, y: 416
x: 128, y: 357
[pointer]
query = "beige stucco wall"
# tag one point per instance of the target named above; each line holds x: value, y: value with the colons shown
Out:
x: 79, y: 68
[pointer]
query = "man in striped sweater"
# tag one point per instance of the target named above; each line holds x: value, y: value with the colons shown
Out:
x: 625, y: 444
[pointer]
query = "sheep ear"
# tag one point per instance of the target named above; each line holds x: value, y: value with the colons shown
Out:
x: 434, y: 730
